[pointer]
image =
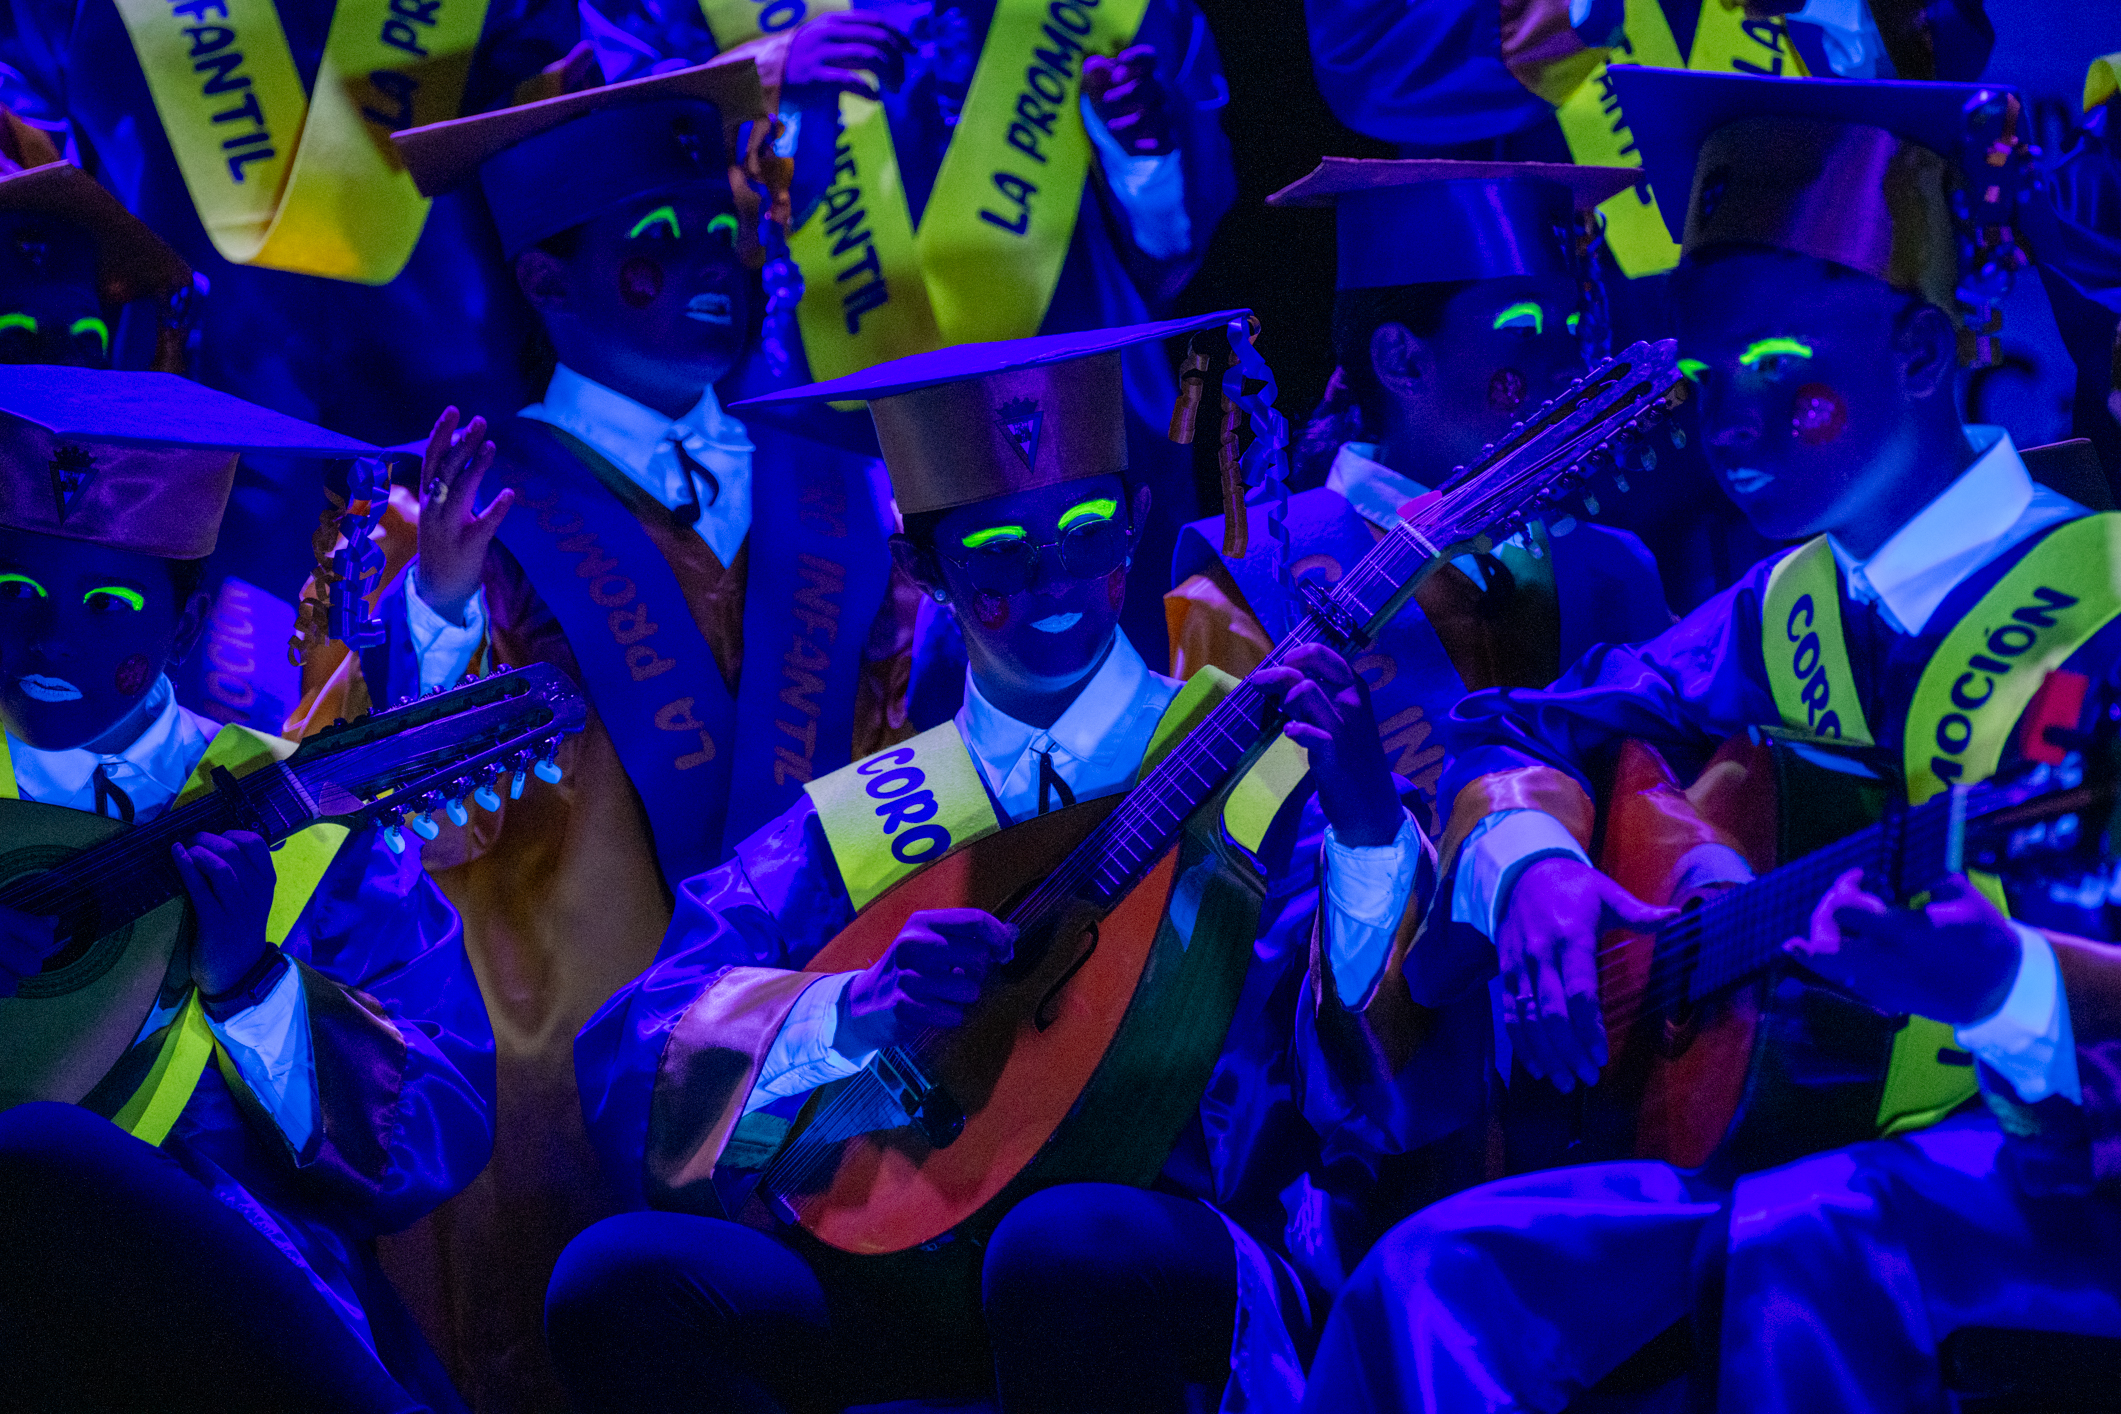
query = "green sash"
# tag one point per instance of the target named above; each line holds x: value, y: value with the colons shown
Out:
x: 1966, y: 705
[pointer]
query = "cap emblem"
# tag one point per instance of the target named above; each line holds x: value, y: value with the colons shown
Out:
x: 70, y: 466
x: 1020, y: 421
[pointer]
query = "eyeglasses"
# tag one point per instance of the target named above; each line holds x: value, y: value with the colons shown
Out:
x: 1006, y: 562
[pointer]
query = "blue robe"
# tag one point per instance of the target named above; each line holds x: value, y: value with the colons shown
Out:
x: 405, y: 1085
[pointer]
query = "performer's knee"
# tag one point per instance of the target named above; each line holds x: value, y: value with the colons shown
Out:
x: 54, y: 1149
x: 619, y: 1276
x: 1081, y: 1239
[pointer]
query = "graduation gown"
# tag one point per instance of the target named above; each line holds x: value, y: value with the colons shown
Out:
x: 564, y: 891
x: 667, y: 1064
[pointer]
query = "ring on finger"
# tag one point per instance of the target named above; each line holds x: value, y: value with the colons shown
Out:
x: 437, y: 492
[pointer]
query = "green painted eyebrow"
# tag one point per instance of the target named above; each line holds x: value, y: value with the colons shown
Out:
x: 89, y: 324
x: 18, y: 320
x: 132, y: 597
x: 1103, y: 508
x: 723, y: 222
x: 24, y: 579
x: 1692, y: 368
x: 993, y: 533
x: 1778, y: 346
x: 662, y: 215
x: 1520, y: 314
x: 1575, y: 321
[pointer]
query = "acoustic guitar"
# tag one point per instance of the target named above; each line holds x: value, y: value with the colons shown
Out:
x: 122, y: 914
x: 1724, y: 1055
x: 1084, y: 1058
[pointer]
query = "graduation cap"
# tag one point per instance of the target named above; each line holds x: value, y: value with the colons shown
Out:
x: 1871, y: 175
x: 132, y: 262
x: 137, y: 461
x: 974, y: 421
x: 550, y: 165
x: 1417, y: 221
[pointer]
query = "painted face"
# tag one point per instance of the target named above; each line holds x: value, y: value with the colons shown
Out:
x: 84, y: 632
x: 1802, y: 404
x: 659, y: 281
x: 1050, y: 631
x: 50, y: 311
x: 1504, y: 347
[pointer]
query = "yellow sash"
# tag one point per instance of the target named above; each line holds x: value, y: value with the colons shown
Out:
x: 736, y: 21
x: 294, y: 181
x: 888, y: 815
x: 1725, y: 41
x: 1966, y: 705
x: 299, y: 863
x: 990, y: 244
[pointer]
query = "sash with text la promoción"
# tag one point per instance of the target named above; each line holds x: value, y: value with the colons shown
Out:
x: 709, y: 768
x: 1973, y: 690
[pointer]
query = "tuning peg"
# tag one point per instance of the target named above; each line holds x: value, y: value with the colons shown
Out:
x: 548, y: 771
x: 423, y: 825
x: 1620, y: 483
x: 486, y: 797
x: 458, y: 815
x: 500, y: 668
x: 1678, y: 435
x: 515, y: 786
x: 1590, y: 505
x: 395, y: 838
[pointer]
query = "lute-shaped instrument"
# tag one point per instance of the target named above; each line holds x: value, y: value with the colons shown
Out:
x: 955, y: 1126
x: 119, y: 904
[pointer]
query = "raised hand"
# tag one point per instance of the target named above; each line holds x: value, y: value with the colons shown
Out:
x: 1328, y: 705
x: 1128, y: 98
x: 1547, y: 947
x: 926, y: 980
x: 454, y: 537
x: 850, y: 50
x: 1953, y: 960
x: 230, y: 880
x: 25, y: 941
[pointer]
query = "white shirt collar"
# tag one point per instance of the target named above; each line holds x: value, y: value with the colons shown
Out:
x: 151, y: 771
x: 637, y: 440
x: 1096, y: 745
x: 1992, y: 506
x: 1374, y: 489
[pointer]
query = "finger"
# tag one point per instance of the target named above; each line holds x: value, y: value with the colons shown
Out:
x: 1138, y: 54
x: 464, y: 484
x: 948, y: 988
x: 254, y: 854
x: 439, y: 442
x: 1630, y: 909
x: 489, y: 520
x: 216, y: 865
x: 852, y: 80
x: 1313, y: 740
x: 916, y: 1016
x: 466, y: 448
x: 1527, y: 1038
x: 202, y: 897
x: 1307, y: 703
x: 1573, y: 1062
x: 1579, y: 980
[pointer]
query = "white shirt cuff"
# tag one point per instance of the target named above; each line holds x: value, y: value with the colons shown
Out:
x: 802, y: 1056
x: 445, y: 650
x: 1152, y: 191
x: 269, y: 1044
x: 2026, y: 1040
x: 1366, y: 896
x: 1492, y: 856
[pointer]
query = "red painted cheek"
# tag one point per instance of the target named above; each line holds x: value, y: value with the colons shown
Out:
x: 1820, y: 417
x: 1116, y: 588
x: 640, y: 281
x: 131, y: 677
x: 991, y: 610
x: 1506, y: 390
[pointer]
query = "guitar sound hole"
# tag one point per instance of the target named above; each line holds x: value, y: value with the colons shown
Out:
x: 87, y: 955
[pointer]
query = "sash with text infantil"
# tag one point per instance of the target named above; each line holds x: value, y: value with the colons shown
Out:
x: 988, y: 251
x: 1726, y: 41
x: 304, y: 182
x: 1973, y: 690
x: 709, y: 768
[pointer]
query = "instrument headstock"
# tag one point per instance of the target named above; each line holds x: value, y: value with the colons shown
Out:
x: 438, y: 752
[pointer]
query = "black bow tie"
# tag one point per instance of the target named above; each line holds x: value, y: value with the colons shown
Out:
x: 689, y: 513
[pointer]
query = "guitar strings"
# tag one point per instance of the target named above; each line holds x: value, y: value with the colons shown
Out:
x: 864, y: 1096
